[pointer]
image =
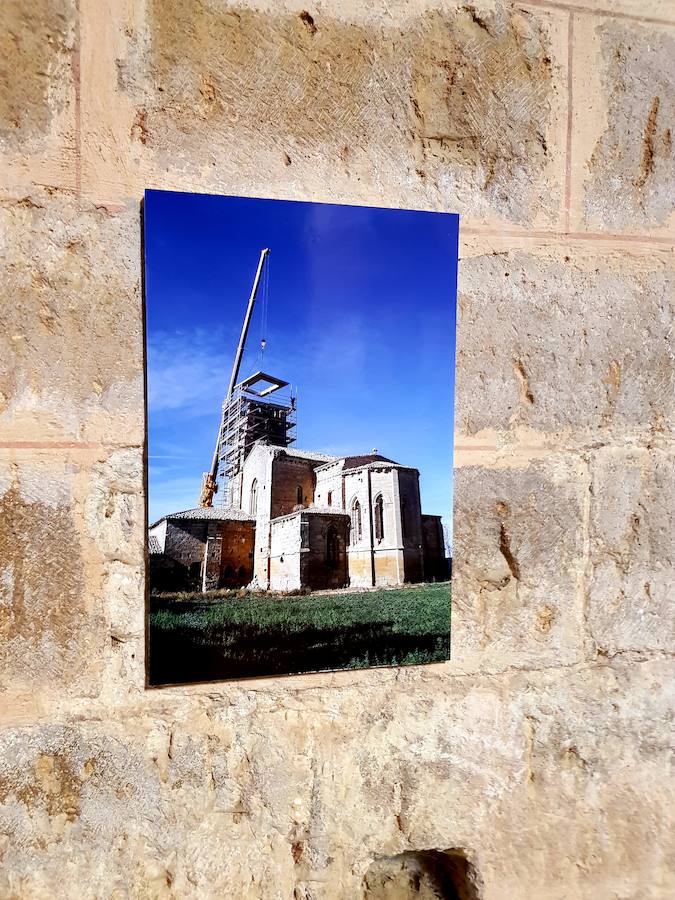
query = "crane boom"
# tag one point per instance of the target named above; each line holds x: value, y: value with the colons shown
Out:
x: 209, y: 482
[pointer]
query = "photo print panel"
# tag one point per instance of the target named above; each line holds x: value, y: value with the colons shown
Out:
x: 300, y: 382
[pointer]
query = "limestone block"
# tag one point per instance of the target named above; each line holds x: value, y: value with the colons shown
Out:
x: 278, y: 793
x: 571, y: 345
x: 38, y: 93
x: 71, y: 545
x: 71, y: 353
x: 458, y: 108
x: 71, y: 791
x: 112, y: 507
x: 517, y: 556
x: 654, y: 11
x: 94, y: 798
x: 624, y: 115
x: 632, y: 550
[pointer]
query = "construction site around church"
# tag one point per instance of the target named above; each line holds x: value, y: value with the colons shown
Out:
x: 294, y: 518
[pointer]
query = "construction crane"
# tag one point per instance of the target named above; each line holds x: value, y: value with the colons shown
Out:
x: 210, y: 478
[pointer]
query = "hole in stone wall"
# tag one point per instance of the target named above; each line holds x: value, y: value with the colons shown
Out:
x: 423, y: 875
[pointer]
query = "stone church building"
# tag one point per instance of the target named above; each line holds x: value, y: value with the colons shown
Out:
x: 298, y: 519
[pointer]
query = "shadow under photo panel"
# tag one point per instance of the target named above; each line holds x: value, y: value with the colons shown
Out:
x: 300, y: 384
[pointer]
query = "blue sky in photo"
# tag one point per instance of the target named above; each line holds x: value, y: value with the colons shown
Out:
x: 361, y: 321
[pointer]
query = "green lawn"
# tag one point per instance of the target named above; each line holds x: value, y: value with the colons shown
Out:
x: 224, y: 635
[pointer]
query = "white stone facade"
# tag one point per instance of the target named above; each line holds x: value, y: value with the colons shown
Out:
x: 375, y: 501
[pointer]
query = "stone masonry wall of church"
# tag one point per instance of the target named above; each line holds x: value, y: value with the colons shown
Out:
x: 237, y: 549
x: 410, y: 530
x: 288, y: 475
x: 329, y: 481
x: 389, y: 564
x: 541, y: 747
x: 185, y: 540
x: 314, y: 566
x: 285, y: 553
x: 258, y: 468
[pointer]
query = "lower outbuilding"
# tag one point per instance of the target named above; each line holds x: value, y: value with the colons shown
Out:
x: 201, y: 550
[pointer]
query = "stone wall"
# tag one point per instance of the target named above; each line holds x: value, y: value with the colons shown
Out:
x: 292, y: 483
x: 212, y: 565
x: 185, y: 544
x: 229, y: 560
x: 329, y: 481
x: 258, y: 468
x: 410, y: 524
x: 317, y: 569
x: 359, y: 551
x: 409, y: 502
x: 287, y: 539
x: 236, y: 555
x: 298, y: 551
x: 538, y: 755
x: 435, y: 563
x: 389, y: 559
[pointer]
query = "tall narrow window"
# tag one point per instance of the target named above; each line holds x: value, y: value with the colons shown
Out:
x: 379, y: 518
x: 330, y: 498
x: 356, y: 522
x: 253, y: 499
x: 331, y: 547
x: 298, y: 494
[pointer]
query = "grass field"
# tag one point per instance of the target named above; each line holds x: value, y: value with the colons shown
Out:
x: 202, y: 637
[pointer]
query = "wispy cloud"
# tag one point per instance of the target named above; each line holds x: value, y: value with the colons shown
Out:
x: 187, y: 371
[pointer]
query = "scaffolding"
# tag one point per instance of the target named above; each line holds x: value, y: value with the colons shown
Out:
x: 248, y: 416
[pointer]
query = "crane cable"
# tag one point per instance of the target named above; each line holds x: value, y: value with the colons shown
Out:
x: 265, y: 306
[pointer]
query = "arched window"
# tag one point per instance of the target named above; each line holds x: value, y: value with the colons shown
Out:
x: 253, y: 499
x: 298, y: 494
x: 330, y: 498
x: 379, y: 518
x: 331, y: 547
x: 356, y: 521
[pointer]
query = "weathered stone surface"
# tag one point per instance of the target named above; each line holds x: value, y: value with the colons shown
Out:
x: 47, y: 628
x: 633, y: 550
x: 36, y: 42
x: 632, y: 167
x: 518, y: 566
x: 457, y: 106
x: 70, y: 591
x: 38, y: 94
x: 562, y: 342
x: 279, y: 794
x: 70, y: 321
x: 541, y: 750
x: 650, y: 10
x: 112, y: 492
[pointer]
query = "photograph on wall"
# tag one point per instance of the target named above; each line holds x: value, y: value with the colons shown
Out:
x: 300, y: 384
